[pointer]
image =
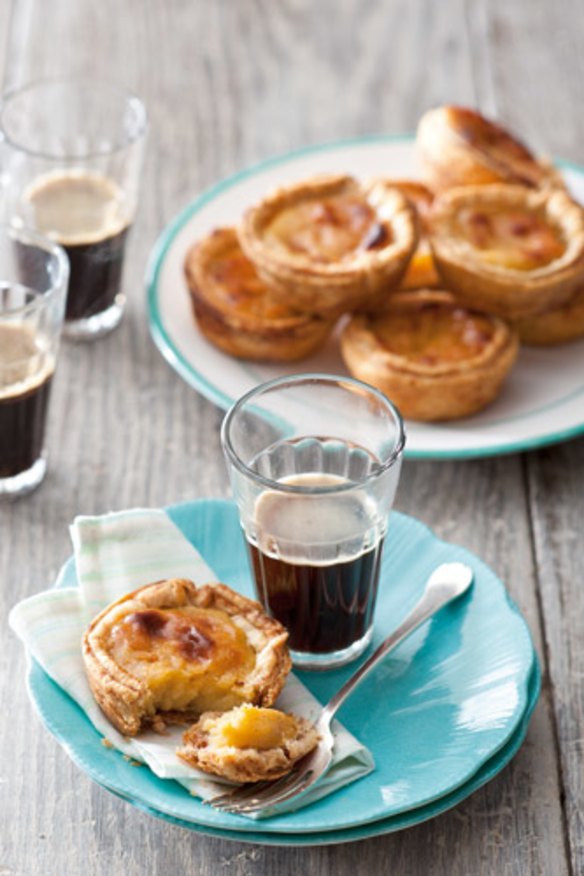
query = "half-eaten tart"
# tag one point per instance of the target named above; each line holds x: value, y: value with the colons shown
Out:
x: 421, y: 271
x: 248, y: 743
x: 557, y: 326
x: 169, y: 651
x: 457, y: 146
x: 238, y: 313
x: 330, y: 243
x: 509, y: 250
x: 434, y: 358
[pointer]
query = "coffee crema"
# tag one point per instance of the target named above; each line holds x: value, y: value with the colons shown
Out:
x: 86, y: 214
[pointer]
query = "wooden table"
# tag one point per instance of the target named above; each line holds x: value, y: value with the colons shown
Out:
x: 228, y: 84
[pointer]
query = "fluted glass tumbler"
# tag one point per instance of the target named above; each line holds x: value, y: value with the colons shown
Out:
x: 71, y: 156
x: 314, y: 462
x: 33, y: 286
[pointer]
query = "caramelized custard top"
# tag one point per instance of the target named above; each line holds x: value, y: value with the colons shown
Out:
x: 513, y: 238
x: 433, y: 333
x: 511, y: 157
x: 328, y: 230
x: 191, y: 639
x: 238, y: 287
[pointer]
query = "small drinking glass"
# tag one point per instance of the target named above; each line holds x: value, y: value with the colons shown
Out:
x: 73, y: 151
x: 314, y: 462
x: 33, y: 288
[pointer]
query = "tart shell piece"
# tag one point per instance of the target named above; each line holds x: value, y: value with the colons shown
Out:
x: 238, y: 313
x: 558, y: 326
x: 433, y: 358
x: 248, y: 744
x: 171, y: 650
x: 508, y: 250
x: 329, y: 243
x: 457, y: 146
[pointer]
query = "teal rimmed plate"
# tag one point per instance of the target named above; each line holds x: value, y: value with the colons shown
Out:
x: 541, y: 403
x: 447, y: 702
x: 375, y: 828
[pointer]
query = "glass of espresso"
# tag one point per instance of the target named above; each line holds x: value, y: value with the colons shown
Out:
x: 73, y: 150
x: 314, y: 462
x: 33, y: 288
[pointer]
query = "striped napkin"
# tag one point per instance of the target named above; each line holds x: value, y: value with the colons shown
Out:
x: 117, y: 553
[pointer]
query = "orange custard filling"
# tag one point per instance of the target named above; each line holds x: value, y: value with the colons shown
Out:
x: 190, y: 658
x: 517, y: 239
x: 434, y: 333
x: 328, y: 230
x: 421, y: 270
x: 253, y: 727
x: 238, y: 288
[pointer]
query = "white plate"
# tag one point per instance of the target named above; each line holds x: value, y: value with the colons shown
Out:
x: 541, y: 403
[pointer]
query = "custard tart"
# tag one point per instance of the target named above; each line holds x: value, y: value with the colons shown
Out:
x: 330, y: 243
x: 457, y: 146
x: 435, y: 359
x: 170, y: 651
x: 238, y: 313
x: 248, y: 743
x: 508, y: 250
x: 557, y: 326
x: 421, y: 271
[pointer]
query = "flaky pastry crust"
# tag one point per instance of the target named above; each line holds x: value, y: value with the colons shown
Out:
x: 557, y: 326
x: 125, y: 695
x: 329, y: 243
x: 247, y: 764
x: 434, y: 359
x: 497, y: 285
x: 457, y: 146
x: 238, y: 313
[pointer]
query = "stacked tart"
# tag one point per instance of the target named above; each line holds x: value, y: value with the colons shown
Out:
x: 273, y: 288
x: 430, y: 285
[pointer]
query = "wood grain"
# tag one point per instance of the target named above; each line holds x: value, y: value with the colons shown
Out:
x: 228, y: 84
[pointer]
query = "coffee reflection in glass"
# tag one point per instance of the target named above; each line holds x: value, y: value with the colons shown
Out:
x: 314, y: 463
x: 33, y: 286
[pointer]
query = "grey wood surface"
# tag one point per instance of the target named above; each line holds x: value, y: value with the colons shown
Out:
x: 228, y: 83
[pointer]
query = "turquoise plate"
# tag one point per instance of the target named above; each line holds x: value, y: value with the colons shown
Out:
x: 542, y: 401
x: 449, y: 700
x: 386, y: 825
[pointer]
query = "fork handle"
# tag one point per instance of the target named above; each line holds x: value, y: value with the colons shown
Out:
x: 432, y: 599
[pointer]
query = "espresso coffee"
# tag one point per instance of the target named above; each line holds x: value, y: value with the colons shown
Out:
x: 84, y: 213
x: 26, y: 371
x: 316, y: 564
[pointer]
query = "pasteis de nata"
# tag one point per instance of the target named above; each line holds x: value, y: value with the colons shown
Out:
x: 435, y: 359
x: 458, y: 146
x: 238, y: 313
x: 508, y: 250
x: 248, y: 743
x: 171, y: 650
x: 329, y: 243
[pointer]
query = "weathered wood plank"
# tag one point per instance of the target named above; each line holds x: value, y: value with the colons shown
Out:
x: 538, y: 90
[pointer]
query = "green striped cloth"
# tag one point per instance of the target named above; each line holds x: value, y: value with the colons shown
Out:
x: 116, y: 553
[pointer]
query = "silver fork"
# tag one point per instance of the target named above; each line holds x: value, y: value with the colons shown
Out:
x: 444, y: 584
